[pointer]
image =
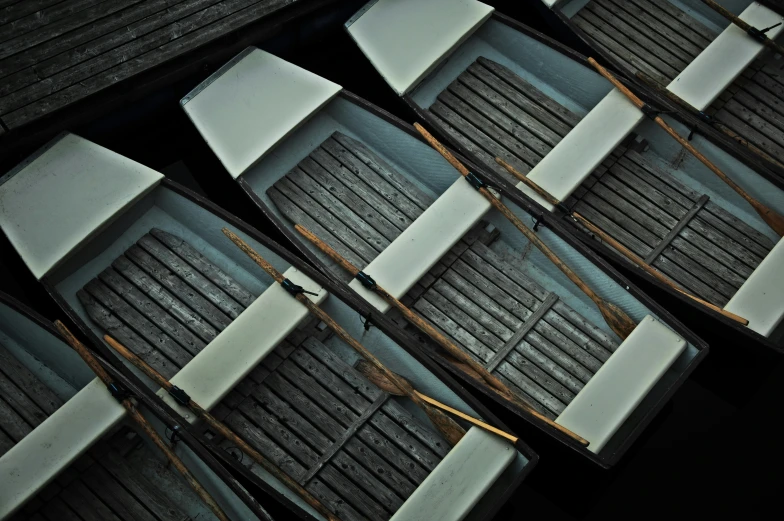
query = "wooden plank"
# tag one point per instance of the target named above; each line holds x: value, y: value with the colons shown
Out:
x: 425, y: 434
x: 486, y: 320
x: 355, y: 380
x: 339, y: 415
x: 688, y: 281
x: 545, y: 138
x: 169, y: 42
x: 454, y: 331
x: 278, y: 432
x: 726, y: 256
x: 354, y: 495
x: 178, y: 287
x: 465, y: 321
x: 569, y: 118
x: 773, y: 135
x: 719, y: 232
x: 206, y: 267
x: 390, y: 229
x: 377, y: 182
x: 333, y: 502
x: 679, y: 21
x: 542, y: 378
x: 57, y: 510
x: 614, y: 207
x: 22, y: 377
x: 16, y: 9
x: 166, y: 300
x: 139, y: 323
x: 552, y: 368
x: 266, y: 446
x: 362, y: 225
x: 489, y: 127
x: 86, y: 504
x: 157, y: 315
x: 116, y: 497
x: 191, y: 276
x: 401, y: 183
x: 531, y: 388
x: 344, y: 436
x: 399, y: 459
x: 379, y: 467
x: 44, y: 17
x: 6, y: 443
x: 708, y: 261
x: 676, y: 230
x: 126, y: 336
x: 521, y: 332
x: 372, y: 486
x: 763, y: 104
x: 627, y: 239
x: 356, y: 184
x: 20, y: 401
x: 649, y: 187
x: 12, y: 423
x: 655, y: 219
x: 405, y: 441
x: 696, y: 269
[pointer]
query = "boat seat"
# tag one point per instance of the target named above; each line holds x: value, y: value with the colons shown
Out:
x: 622, y: 383
x: 759, y: 299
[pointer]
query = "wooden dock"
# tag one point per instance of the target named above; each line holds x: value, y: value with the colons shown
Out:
x: 59, y: 54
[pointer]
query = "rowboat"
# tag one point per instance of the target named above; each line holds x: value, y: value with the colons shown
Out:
x: 311, y: 154
x: 43, y: 390
x: 130, y: 254
x: 724, y: 75
x: 497, y: 89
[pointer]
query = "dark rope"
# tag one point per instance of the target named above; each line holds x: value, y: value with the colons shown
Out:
x: 294, y: 289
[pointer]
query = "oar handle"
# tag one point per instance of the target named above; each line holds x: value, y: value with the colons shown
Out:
x: 448, y: 427
x: 142, y: 422
x: 327, y: 250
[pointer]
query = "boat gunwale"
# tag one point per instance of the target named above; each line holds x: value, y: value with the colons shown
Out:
x: 605, y: 461
x: 767, y: 169
x: 574, y: 229
x: 340, y: 291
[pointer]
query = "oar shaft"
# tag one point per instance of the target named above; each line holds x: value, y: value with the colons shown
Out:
x: 773, y: 219
x: 754, y: 31
x: 451, y: 431
x: 142, y: 422
x: 615, y: 317
x: 475, y: 367
x: 223, y: 430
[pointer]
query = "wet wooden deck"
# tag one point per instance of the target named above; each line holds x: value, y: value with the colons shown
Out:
x: 55, y: 53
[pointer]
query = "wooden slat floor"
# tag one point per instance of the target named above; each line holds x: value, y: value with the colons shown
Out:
x: 105, y: 484
x: 690, y: 239
x: 303, y: 407
x: 530, y: 339
x: 56, y: 52
x: 660, y: 40
x: 25, y: 401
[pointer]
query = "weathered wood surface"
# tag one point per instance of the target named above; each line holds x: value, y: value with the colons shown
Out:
x: 105, y: 485
x: 25, y: 401
x: 302, y: 407
x: 54, y: 54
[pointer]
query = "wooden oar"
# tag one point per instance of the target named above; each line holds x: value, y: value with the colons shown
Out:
x: 757, y: 34
x: 617, y: 245
x: 774, y: 220
x: 709, y: 120
x: 451, y: 431
x: 383, y: 383
x: 134, y: 413
x: 424, y: 326
x: 183, y: 399
x: 618, y: 321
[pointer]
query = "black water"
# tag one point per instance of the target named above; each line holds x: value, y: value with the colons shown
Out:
x: 715, y: 448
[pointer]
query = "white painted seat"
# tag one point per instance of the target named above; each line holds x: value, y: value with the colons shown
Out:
x: 433, y: 29
x: 56, y: 201
x: 616, y: 389
x: 717, y: 66
x: 243, y: 115
x: 760, y: 299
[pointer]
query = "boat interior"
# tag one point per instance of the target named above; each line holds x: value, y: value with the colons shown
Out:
x: 166, y: 282
x: 358, y: 182
x: 660, y: 38
x: 503, y: 93
x: 120, y: 478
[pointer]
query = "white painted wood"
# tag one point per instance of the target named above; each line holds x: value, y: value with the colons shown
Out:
x: 460, y: 480
x: 616, y: 389
x: 243, y: 344
x: 578, y: 154
x: 55, y: 444
x: 422, y: 244
x: 62, y: 197
x: 406, y: 39
x: 701, y: 82
x: 760, y: 299
x: 253, y: 103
